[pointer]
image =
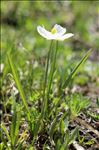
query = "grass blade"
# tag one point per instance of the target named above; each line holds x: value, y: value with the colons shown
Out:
x: 76, y: 68
x: 17, y: 81
x: 5, y: 131
x: 15, y: 124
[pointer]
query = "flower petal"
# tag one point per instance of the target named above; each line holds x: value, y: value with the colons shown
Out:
x: 60, y: 30
x: 43, y: 32
x: 66, y: 36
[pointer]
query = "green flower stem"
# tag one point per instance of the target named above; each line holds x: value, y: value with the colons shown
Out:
x: 46, y: 74
x: 45, y: 84
x: 50, y: 79
x: 52, y: 71
x: 44, y: 98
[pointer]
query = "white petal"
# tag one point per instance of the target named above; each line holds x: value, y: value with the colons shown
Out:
x: 43, y: 32
x: 66, y: 36
x: 60, y: 30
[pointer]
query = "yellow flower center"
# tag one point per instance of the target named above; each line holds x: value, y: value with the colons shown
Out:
x: 53, y: 31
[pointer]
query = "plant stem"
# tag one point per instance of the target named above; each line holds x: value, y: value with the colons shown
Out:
x: 50, y: 79
x: 46, y: 75
x: 52, y: 71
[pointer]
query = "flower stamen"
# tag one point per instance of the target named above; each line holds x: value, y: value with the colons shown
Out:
x: 53, y: 31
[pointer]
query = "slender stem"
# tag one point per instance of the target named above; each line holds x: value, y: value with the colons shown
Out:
x: 52, y: 71
x: 50, y: 78
x: 46, y: 74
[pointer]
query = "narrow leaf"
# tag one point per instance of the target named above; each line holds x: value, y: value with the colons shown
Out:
x: 76, y: 68
x: 19, y: 86
x: 5, y: 131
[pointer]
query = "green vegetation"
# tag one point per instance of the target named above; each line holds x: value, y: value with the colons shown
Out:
x: 49, y: 99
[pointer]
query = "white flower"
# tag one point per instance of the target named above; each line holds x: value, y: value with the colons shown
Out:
x: 57, y: 33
